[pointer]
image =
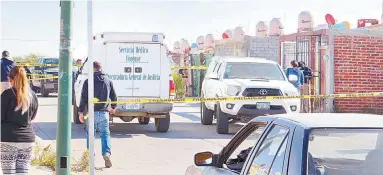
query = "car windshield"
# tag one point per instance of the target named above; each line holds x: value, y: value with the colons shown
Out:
x: 346, y: 151
x: 51, y: 61
x: 264, y: 71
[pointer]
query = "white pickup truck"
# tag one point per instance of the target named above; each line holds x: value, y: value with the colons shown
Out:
x: 245, y: 77
x: 138, y: 66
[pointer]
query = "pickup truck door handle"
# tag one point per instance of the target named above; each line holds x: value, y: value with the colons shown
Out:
x: 128, y: 70
x: 138, y: 69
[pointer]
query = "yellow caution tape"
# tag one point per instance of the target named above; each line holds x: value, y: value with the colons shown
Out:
x: 189, y: 67
x: 44, y: 75
x: 198, y: 100
x: 35, y: 64
x: 48, y: 78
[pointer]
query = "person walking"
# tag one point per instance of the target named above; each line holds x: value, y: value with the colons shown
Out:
x: 6, y: 65
x: 294, y: 70
x: 103, y: 90
x: 19, y: 106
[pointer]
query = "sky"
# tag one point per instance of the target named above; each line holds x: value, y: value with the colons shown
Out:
x: 34, y: 26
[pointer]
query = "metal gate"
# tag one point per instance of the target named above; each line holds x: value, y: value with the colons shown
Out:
x: 308, y: 50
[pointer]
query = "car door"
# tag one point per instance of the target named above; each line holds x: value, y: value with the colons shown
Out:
x: 211, y: 86
x: 270, y: 157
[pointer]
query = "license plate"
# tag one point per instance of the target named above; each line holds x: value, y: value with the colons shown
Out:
x: 263, y: 105
x: 132, y: 106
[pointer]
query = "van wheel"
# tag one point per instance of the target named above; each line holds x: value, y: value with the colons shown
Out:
x: 222, y: 121
x: 143, y: 120
x: 76, y: 118
x: 44, y: 92
x: 206, y: 115
x: 162, y: 124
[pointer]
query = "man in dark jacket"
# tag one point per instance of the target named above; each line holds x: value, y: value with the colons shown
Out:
x: 6, y: 65
x: 103, y: 90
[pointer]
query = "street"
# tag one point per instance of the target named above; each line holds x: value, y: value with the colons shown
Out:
x: 139, y: 149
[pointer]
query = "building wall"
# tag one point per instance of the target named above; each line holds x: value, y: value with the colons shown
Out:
x: 252, y: 46
x: 265, y: 47
x: 228, y: 47
x: 358, y: 67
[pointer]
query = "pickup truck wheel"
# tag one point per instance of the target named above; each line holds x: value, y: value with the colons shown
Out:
x: 206, y: 115
x: 143, y: 120
x: 76, y: 119
x: 44, y: 92
x: 162, y: 124
x: 222, y: 121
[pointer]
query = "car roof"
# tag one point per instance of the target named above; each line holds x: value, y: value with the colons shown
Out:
x: 339, y: 120
x: 244, y: 59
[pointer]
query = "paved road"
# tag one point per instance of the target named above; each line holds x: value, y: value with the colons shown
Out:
x: 139, y: 149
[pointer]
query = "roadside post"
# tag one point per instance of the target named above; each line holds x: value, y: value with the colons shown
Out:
x: 63, y: 146
x: 90, y: 88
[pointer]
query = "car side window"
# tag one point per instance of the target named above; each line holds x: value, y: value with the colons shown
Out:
x: 277, y: 166
x: 269, y: 151
x: 238, y: 158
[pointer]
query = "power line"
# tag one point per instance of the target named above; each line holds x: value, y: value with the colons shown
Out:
x: 28, y: 40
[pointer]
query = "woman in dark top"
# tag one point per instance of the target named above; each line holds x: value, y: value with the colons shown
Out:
x: 18, y: 108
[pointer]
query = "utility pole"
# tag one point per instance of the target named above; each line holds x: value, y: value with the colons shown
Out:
x: 63, y: 146
x: 90, y: 87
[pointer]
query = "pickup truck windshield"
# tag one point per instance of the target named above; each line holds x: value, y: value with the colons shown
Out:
x: 346, y: 151
x: 264, y: 71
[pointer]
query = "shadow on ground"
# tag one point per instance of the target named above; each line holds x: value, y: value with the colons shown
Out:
x: 178, y: 130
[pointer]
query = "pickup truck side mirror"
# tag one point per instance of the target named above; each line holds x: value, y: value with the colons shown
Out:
x: 213, y: 76
x: 204, y: 159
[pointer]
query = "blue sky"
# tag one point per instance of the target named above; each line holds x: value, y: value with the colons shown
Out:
x: 33, y: 26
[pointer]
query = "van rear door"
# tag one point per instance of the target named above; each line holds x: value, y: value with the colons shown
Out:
x: 147, y: 70
x: 119, y: 67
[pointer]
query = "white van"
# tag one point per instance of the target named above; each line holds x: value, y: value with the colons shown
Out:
x: 139, y: 68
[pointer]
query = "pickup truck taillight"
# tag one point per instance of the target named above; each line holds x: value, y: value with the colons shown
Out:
x: 171, y: 87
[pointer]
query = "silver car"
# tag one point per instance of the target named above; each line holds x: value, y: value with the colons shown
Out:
x: 300, y: 144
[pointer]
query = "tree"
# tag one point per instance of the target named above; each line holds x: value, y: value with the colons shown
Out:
x: 30, y: 58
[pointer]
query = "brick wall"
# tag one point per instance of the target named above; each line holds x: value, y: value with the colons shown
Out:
x: 265, y: 47
x: 228, y: 47
x: 252, y: 46
x: 358, y: 67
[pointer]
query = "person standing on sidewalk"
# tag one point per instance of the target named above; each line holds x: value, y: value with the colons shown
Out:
x: 294, y: 70
x: 19, y: 106
x: 103, y: 90
x: 6, y: 65
x: 306, y: 88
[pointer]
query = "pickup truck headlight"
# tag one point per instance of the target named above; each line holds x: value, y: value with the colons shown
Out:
x: 291, y: 92
x: 233, y: 90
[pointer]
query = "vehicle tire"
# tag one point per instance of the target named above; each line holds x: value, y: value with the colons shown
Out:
x: 222, y: 121
x: 76, y: 119
x: 206, y: 115
x: 44, y: 92
x: 143, y: 120
x: 162, y: 124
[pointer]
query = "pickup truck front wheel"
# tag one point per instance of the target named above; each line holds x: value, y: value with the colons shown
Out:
x: 44, y: 92
x: 162, y: 124
x: 206, y: 115
x: 222, y: 121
